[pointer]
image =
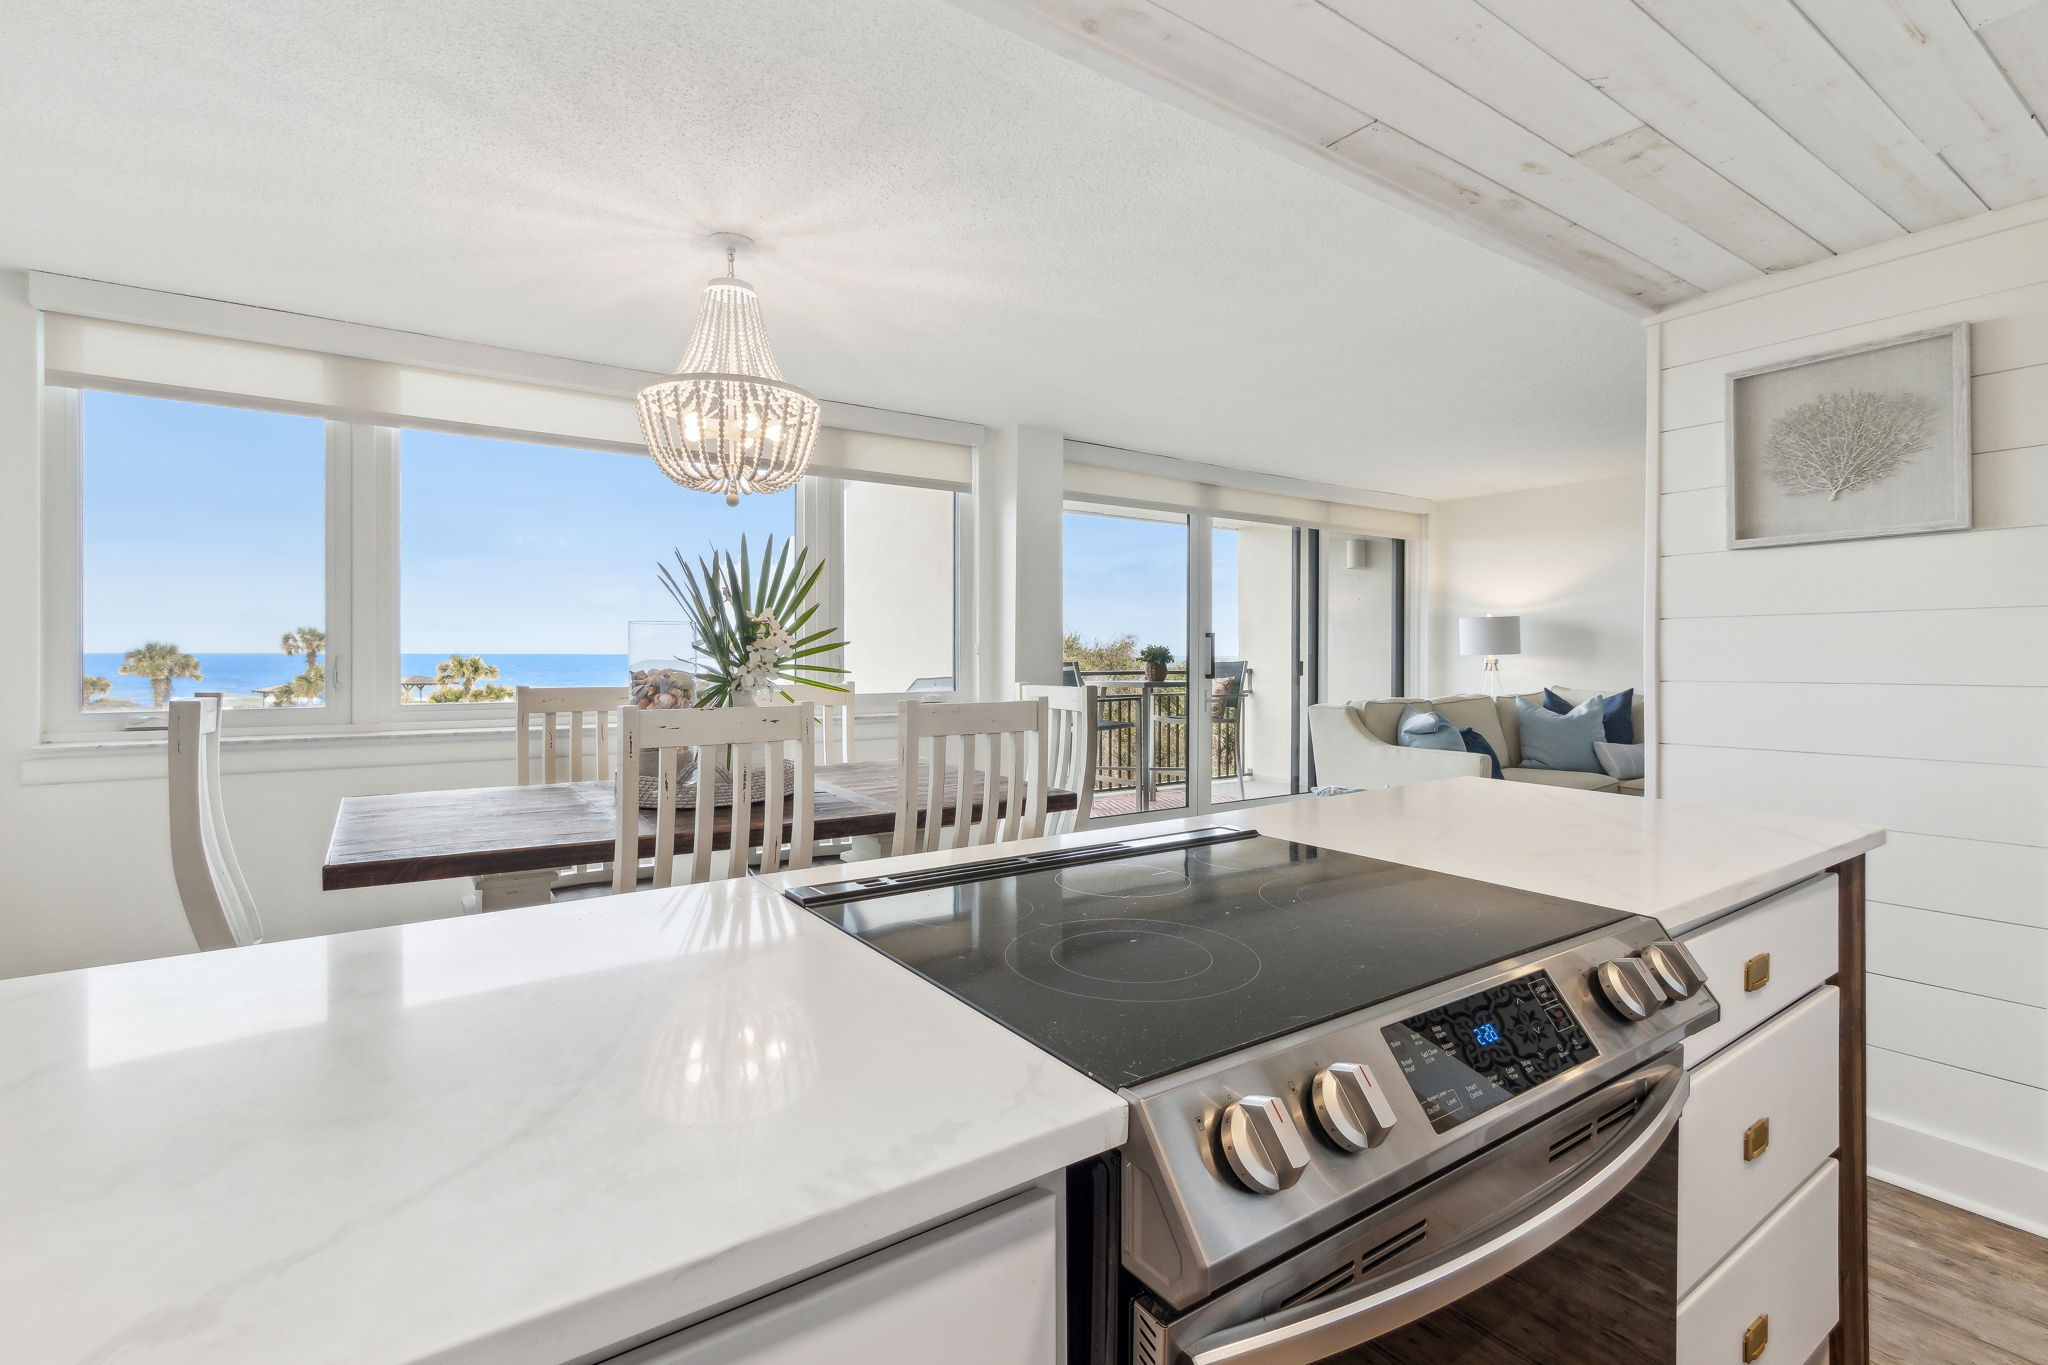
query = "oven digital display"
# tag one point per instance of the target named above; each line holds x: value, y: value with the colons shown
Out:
x: 1464, y: 1058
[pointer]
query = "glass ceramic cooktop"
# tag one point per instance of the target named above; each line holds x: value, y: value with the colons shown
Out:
x: 1142, y: 966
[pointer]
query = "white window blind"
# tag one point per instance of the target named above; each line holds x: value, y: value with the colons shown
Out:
x: 83, y: 352
x: 1188, y: 495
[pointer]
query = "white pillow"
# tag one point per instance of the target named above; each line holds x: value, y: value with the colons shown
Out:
x: 1622, y: 762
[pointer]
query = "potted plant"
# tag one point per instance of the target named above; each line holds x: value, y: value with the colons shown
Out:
x: 749, y: 624
x: 1155, y: 658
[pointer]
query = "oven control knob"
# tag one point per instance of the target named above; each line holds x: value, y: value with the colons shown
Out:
x: 1674, y: 968
x: 1261, y: 1145
x: 1626, y: 985
x: 1351, y: 1109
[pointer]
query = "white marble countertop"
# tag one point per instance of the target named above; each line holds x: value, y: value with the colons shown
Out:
x: 525, y: 1136
x: 1673, y: 861
x: 509, y: 1138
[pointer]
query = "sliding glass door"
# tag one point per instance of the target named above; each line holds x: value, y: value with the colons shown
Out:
x: 1125, y: 590
x: 1195, y: 629
x: 1249, y: 693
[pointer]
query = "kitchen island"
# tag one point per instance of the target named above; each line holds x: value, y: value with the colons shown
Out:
x: 548, y: 1135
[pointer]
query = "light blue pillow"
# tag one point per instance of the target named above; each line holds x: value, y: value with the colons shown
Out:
x: 1561, y: 743
x: 1427, y: 730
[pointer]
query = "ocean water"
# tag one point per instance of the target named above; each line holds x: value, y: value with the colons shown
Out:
x: 244, y: 673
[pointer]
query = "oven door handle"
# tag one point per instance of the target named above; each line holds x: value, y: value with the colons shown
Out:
x: 1320, y: 1328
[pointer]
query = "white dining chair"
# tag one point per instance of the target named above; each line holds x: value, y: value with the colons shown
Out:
x: 835, y: 721
x: 939, y: 741
x: 218, y: 905
x: 718, y: 738
x: 1072, y: 735
x: 573, y: 706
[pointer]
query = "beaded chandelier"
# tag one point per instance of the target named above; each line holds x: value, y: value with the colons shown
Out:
x: 727, y: 422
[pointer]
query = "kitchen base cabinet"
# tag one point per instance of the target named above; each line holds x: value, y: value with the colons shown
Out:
x: 983, y: 1288
x: 1761, y: 1119
x: 1788, y: 971
x: 1777, y: 1297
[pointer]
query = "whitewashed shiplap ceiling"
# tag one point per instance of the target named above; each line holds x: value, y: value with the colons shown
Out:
x: 1654, y: 149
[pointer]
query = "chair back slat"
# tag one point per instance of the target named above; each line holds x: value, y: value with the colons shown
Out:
x: 735, y: 740
x: 835, y: 720
x: 217, y: 902
x: 1073, y: 742
x: 996, y: 757
x: 557, y: 709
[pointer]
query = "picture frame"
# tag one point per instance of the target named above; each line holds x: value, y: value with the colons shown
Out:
x: 1857, y: 443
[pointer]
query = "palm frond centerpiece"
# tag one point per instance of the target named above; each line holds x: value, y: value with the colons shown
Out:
x: 750, y: 622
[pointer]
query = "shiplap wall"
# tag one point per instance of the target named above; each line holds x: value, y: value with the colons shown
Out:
x: 1901, y: 682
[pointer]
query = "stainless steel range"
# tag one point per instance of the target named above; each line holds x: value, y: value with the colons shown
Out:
x: 1378, y: 1113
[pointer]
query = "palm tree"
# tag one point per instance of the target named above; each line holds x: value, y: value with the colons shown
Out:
x: 92, y: 689
x: 160, y: 663
x: 307, y: 687
x: 458, y: 678
x: 306, y: 640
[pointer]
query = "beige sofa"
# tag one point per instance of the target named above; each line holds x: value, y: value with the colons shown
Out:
x: 1355, y: 746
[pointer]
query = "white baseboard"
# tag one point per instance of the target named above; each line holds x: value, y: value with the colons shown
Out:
x: 2012, y: 1192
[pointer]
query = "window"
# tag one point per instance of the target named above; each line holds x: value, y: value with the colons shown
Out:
x: 202, y: 551
x: 331, y: 573
x: 533, y: 558
x: 897, y: 559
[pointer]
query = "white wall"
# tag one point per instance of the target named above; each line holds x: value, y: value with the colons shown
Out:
x: 896, y: 550
x: 1358, y: 619
x: 1568, y: 560
x: 1897, y: 682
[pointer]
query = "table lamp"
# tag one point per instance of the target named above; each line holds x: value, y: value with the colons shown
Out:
x: 1492, y: 636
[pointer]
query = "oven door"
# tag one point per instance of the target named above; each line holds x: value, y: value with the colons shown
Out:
x: 1556, y: 1246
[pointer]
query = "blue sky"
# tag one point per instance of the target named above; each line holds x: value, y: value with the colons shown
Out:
x: 1129, y: 576
x: 204, y: 527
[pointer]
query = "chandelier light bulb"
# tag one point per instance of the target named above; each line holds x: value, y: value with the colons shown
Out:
x: 726, y: 421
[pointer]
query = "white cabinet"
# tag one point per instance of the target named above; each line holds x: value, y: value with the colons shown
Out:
x: 1761, y: 1118
x: 1765, y: 957
x: 1776, y: 1298
x: 984, y: 1288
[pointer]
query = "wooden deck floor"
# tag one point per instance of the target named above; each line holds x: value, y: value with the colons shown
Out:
x: 1948, y: 1287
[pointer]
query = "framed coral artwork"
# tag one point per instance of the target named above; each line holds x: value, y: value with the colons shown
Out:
x: 1869, y: 440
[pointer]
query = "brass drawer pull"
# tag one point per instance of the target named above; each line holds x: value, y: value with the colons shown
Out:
x: 1756, y: 973
x: 1756, y: 1338
x: 1756, y: 1139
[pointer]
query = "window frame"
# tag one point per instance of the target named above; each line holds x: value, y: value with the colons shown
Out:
x: 821, y: 521
x: 362, y: 562
x: 63, y: 635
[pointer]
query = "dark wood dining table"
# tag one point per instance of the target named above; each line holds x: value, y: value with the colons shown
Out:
x: 513, y: 840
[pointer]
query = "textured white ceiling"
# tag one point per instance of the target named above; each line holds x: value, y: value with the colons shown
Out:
x: 955, y: 221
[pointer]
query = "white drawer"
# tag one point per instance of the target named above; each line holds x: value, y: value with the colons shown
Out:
x: 1785, y: 1274
x: 1797, y: 931
x: 1784, y: 1074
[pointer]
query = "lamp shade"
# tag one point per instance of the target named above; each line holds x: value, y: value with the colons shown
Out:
x: 1489, y: 635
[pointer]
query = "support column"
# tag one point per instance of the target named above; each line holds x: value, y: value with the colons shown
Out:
x: 1018, y: 491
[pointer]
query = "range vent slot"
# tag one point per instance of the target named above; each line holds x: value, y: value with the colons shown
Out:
x: 1392, y: 1247
x: 1621, y: 1113
x: 1358, y: 1267
x: 1571, y: 1142
x: 1329, y: 1284
x: 1148, y: 1338
x: 1578, y: 1137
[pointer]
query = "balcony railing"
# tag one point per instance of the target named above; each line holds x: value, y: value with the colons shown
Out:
x: 1142, y: 730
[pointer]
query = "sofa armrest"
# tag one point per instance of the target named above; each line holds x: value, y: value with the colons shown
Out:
x: 1349, y: 755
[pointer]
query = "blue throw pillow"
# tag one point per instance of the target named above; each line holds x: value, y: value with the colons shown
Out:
x: 1561, y: 743
x: 1618, y: 717
x: 1427, y: 730
x: 1475, y: 743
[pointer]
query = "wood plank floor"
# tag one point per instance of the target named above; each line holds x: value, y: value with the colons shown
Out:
x: 1949, y: 1287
